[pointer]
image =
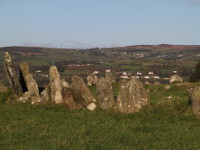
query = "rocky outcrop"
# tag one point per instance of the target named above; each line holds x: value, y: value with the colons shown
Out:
x: 55, y: 85
x: 194, y: 99
x: 175, y: 78
x: 92, y: 79
x: 81, y: 93
x: 109, y: 76
x: 12, y: 75
x: 132, y: 96
x: 105, y: 94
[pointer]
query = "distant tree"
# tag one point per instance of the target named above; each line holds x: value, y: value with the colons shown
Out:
x: 196, y: 75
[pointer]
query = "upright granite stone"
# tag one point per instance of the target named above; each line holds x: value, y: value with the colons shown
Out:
x: 81, y: 93
x: 12, y: 75
x: 92, y: 79
x: 27, y: 78
x: 55, y: 85
x: 175, y: 78
x: 68, y: 98
x: 67, y: 95
x: 194, y: 99
x: 109, y: 76
x: 132, y: 96
x: 105, y: 94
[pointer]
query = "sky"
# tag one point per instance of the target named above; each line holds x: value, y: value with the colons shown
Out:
x: 98, y: 23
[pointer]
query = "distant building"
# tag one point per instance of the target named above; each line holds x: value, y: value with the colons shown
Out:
x: 124, y: 73
x: 139, y: 73
x: 38, y: 71
x: 156, y: 77
x: 124, y: 77
x: 96, y: 72
x: 108, y: 70
x: 150, y: 73
x: 146, y: 77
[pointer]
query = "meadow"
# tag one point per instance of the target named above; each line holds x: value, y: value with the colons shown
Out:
x: 163, y: 124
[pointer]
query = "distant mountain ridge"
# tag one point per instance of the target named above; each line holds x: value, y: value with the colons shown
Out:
x: 151, y: 47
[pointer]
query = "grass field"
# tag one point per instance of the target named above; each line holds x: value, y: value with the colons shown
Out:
x: 164, y: 124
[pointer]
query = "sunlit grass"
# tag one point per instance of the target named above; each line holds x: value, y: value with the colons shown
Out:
x: 163, y: 124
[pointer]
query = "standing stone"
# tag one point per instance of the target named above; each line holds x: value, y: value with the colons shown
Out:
x: 105, y: 94
x: 175, y: 78
x: 67, y: 95
x: 132, y: 96
x: 92, y: 79
x: 109, y: 76
x: 68, y: 98
x: 12, y: 75
x: 194, y: 99
x: 55, y: 85
x: 27, y: 77
x: 81, y: 93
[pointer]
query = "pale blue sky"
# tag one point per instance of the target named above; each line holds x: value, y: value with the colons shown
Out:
x: 98, y: 23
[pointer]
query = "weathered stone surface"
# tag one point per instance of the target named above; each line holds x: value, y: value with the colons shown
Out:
x: 64, y: 83
x: 55, y: 85
x: 105, y: 94
x: 92, y: 79
x: 27, y: 78
x: 68, y: 98
x: 132, y: 96
x: 45, y: 95
x: 194, y: 99
x: 12, y: 75
x: 175, y: 78
x: 67, y: 95
x: 25, y: 97
x: 81, y: 93
x: 109, y: 76
x: 91, y: 106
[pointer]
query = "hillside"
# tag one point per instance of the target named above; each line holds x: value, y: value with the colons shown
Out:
x: 161, y: 59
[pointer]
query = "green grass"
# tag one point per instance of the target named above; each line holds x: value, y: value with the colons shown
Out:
x: 164, y: 124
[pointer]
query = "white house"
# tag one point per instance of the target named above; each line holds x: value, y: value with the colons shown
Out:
x: 156, y: 77
x: 146, y: 77
x: 139, y: 73
x: 150, y: 73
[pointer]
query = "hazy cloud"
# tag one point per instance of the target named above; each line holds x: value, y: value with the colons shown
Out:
x: 32, y: 44
x: 193, y: 2
x: 70, y: 44
x: 82, y: 45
